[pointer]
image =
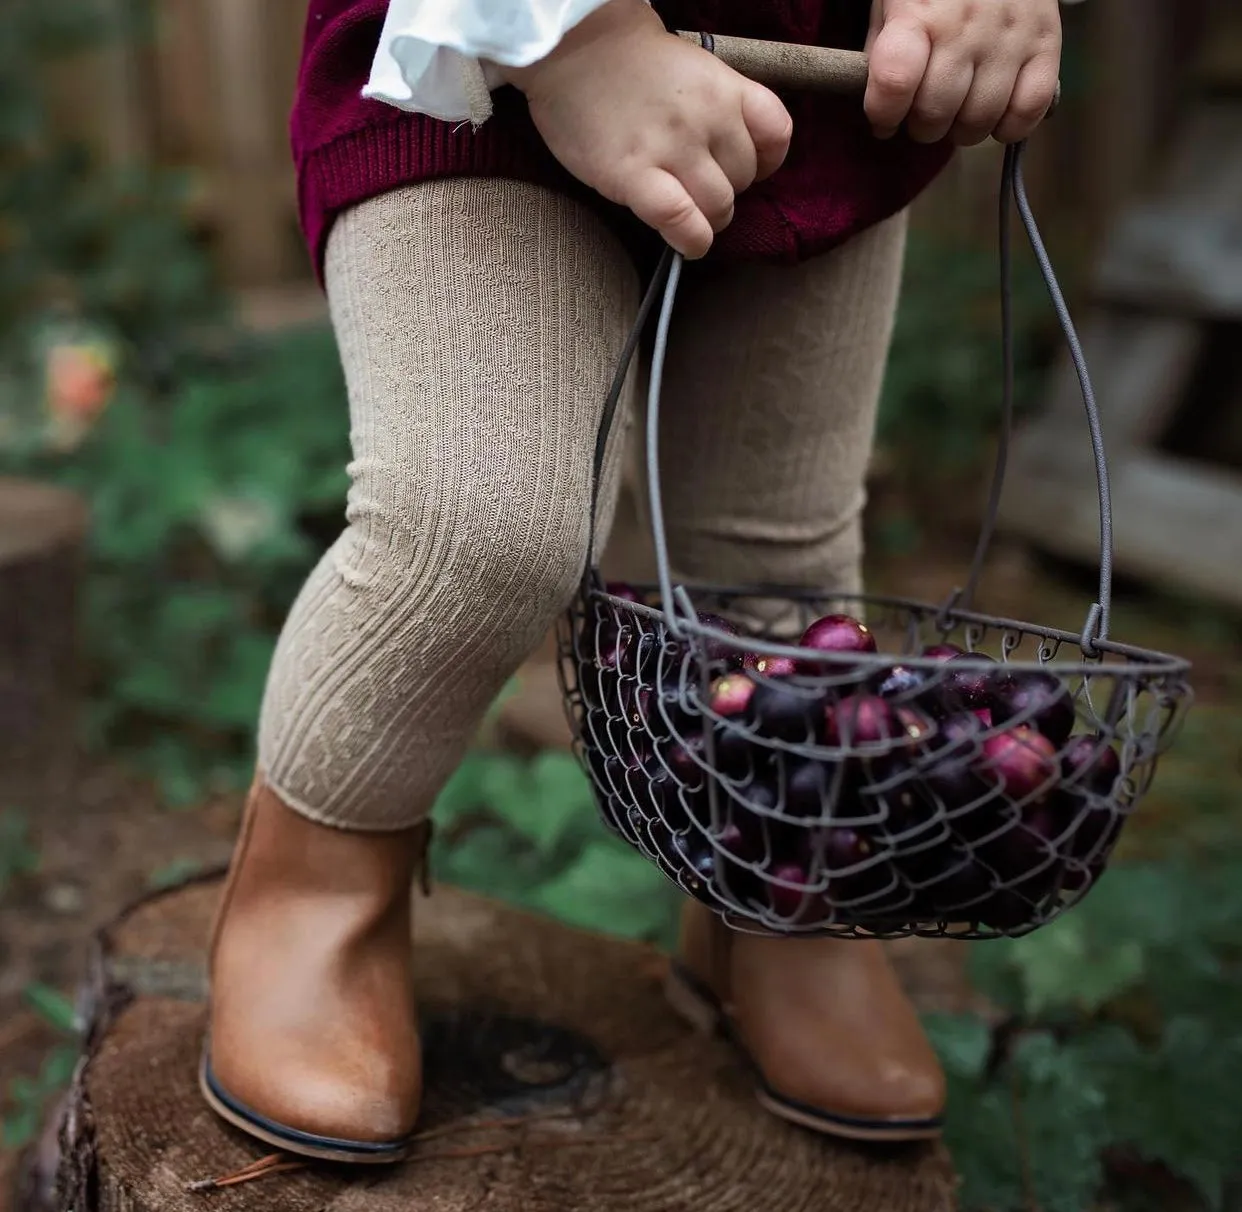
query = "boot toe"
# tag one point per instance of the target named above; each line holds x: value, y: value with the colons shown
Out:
x: 312, y: 1107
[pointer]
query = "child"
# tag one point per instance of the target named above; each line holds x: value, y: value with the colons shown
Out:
x: 478, y: 219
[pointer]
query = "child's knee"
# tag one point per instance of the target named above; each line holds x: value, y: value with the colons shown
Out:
x: 514, y: 557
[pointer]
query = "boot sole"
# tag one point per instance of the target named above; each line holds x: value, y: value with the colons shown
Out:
x: 700, y: 1008
x: 291, y: 1140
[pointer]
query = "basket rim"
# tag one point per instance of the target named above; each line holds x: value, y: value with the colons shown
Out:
x: 1140, y: 661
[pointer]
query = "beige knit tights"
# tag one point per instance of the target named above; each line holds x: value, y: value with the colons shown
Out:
x: 479, y: 322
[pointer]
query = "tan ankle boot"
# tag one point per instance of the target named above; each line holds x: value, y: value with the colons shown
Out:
x: 835, y: 1042
x: 313, y: 1044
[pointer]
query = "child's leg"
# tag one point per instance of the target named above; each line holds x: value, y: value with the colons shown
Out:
x: 770, y: 394
x: 479, y: 324
x: 773, y: 380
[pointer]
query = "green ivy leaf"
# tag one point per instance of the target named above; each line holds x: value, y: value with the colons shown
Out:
x: 611, y: 889
x: 1178, y: 1104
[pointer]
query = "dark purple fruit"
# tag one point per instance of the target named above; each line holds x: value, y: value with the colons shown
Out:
x: 917, y: 728
x: 716, y: 650
x: 770, y: 666
x: 1095, y: 825
x: 942, y: 652
x: 619, y: 589
x: 836, y: 633
x: 1021, y: 762
x: 958, y: 885
x: 795, y: 904
x: 954, y: 781
x: 957, y: 735
x: 861, y: 719
x: 900, y: 682
x: 684, y: 760
x: 966, y: 684
x: 811, y: 787
x: 903, y: 804
x: 784, y: 713
x: 1092, y: 764
x: 1036, y: 698
x: 844, y: 847
x: 742, y: 839
x: 730, y: 695
x: 606, y: 732
x: 1013, y: 908
x: 1022, y: 849
x: 695, y: 863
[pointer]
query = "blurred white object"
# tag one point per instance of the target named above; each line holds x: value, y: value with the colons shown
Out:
x: 435, y: 56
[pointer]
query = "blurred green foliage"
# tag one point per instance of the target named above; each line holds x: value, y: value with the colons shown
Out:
x: 942, y: 396
x: 1116, y: 1073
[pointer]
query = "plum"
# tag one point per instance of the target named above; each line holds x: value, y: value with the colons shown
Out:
x: 730, y: 695
x: 966, y: 684
x: 959, y: 884
x: 810, y: 787
x: 684, y: 759
x: 844, y: 848
x: 757, y: 798
x: 649, y: 786
x: 835, y: 633
x: 742, y: 839
x: 907, y: 809
x: 715, y: 650
x: 1023, y: 848
x: 861, y: 719
x: 1012, y: 908
x: 957, y: 735
x: 784, y: 713
x: 1091, y: 763
x: 619, y: 589
x: 1037, y: 698
x: 606, y: 732
x: 916, y: 727
x: 1095, y: 825
x: 1021, y: 762
x: 795, y: 903
x: 694, y: 860
x: 942, y: 652
x: 771, y: 666
x: 900, y: 682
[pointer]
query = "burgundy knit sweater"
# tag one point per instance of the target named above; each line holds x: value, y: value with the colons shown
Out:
x: 837, y: 179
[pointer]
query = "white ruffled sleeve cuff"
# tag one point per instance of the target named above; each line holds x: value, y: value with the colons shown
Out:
x: 436, y: 57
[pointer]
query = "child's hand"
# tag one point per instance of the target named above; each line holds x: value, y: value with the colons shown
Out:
x: 966, y: 68
x: 653, y: 122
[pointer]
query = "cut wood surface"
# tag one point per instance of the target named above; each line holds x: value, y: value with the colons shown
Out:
x: 557, y: 1079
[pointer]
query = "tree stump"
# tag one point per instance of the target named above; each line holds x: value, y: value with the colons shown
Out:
x: 557, y: 1079
x: 41, y: 533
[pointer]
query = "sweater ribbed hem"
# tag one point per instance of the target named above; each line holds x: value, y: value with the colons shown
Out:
x: 377, y: 158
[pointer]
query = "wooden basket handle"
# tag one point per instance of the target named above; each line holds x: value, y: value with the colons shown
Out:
x: 789, y: 65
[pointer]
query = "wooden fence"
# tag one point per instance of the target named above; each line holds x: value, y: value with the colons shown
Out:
x: 209, y: 91
x: 206, y: 89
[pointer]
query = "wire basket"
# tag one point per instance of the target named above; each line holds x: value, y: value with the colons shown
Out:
x: 929, y: 771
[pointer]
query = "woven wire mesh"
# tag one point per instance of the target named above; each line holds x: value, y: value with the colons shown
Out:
x: 799, y: 792
x: 938, y: 772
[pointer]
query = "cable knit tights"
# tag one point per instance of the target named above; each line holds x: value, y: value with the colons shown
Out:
x: 479, y: 322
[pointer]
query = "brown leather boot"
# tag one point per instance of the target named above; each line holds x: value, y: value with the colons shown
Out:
x: 835, y: 1042
x: 313, y: 1043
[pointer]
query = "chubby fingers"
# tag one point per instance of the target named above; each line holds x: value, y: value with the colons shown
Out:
x: 900, y: 53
